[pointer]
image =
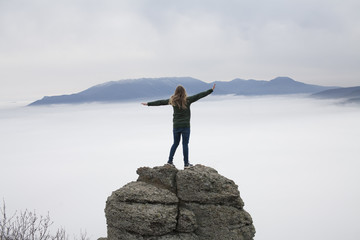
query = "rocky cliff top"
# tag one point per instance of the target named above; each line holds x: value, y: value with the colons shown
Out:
x: 170, y: 204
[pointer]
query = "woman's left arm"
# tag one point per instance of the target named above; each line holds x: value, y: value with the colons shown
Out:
x: 196, y: 97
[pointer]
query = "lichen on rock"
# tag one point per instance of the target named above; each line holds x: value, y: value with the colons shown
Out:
x: 170, y: 204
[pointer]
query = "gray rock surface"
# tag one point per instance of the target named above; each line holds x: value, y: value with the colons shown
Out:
x: 142, y: 192
x: 170, y: 204
x: 204, y: 185
x: 162, y: 177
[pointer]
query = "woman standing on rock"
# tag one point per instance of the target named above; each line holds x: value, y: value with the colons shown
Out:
x: 181, y: 120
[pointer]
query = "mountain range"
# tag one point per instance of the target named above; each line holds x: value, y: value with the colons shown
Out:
x: 350, y: 94
x: 156, y: 88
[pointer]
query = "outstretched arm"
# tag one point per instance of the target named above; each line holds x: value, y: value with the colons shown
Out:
x: 196, y: 97
x: 157, y: 103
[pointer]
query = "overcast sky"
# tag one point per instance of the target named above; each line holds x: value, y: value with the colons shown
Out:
x: 57, y: 47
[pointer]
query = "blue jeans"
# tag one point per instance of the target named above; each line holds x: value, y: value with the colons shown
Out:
x: 185, y: 134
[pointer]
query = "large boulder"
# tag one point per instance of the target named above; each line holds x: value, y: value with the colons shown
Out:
x: 170, y: 204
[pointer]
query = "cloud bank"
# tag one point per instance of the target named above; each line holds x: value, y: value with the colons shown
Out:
x: 295, y: 160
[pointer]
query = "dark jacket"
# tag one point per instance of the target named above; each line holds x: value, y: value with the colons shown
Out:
x: 181, y: 117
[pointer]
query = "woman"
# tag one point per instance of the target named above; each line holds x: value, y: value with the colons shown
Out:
x: 181, y: 119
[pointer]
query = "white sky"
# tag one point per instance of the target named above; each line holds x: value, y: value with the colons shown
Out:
x: 58, y: 47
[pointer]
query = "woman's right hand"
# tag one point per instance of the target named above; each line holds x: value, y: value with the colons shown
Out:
x: 144, y: 103
x: 214, y: 86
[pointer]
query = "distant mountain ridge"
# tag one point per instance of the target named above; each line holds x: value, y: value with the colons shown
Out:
x: 350, y: 94
x: 156, y: 88
x: 279, y: 85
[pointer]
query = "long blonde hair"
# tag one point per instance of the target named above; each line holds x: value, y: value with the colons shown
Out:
x: 179, y: 98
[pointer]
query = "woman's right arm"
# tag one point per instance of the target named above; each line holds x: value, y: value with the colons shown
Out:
x: 157, y: 103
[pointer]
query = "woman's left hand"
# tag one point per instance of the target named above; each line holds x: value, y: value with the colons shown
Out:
x: 214, y: 86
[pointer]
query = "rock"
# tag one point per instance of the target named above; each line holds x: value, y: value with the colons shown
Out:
x: 170, y: 204
x: 145, y: 219
x: 221, y: 221
x: 204, y: 185
x: 186, y: 220
x: 162, y: 177
x: 141, y: 192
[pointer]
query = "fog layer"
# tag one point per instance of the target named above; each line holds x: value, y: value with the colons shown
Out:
x: 296, y: 160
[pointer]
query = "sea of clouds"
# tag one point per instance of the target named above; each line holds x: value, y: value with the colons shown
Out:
x: 295, y: 160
